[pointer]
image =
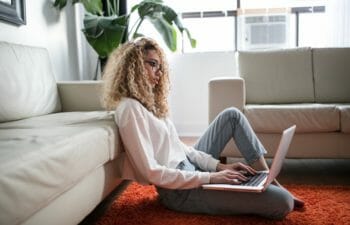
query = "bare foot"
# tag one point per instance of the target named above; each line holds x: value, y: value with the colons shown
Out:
x: 298, y: 204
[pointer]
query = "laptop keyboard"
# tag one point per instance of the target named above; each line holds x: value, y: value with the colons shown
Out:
x: 255, y: 180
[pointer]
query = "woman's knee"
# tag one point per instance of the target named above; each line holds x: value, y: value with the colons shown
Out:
x: 231, y: 113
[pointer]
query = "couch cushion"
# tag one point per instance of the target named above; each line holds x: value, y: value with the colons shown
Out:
x: 344, y: 118
x: 308, y: 117
x: 37, y: 163
x: 278, y: 76
x: 332, y: 74
x: 27, y: 86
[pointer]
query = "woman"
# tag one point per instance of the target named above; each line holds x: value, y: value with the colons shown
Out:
x: 136, y: 86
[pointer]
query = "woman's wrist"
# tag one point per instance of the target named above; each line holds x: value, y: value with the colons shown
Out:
x: 220, y: 167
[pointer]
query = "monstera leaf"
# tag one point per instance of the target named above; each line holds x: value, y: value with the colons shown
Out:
x: 163, y: 19
x: 166, y: 30
x: 103, y: 33
x: 106, y: 30
x: 91, y: 6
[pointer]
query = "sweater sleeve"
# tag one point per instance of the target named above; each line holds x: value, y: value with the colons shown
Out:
x: 203, y: 160
x: 135, y: 134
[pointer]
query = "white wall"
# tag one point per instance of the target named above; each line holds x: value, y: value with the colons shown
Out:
x: 48, y: 28
x: 190, y: 75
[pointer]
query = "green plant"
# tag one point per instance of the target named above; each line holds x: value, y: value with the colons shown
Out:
x: 105, y: 29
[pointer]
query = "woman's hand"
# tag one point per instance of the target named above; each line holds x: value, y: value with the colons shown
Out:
x: 231, y: 173
x: 227, y: 177
x: 241, y: 167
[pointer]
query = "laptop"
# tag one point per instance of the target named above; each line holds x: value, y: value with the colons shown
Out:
x: 260, y: 181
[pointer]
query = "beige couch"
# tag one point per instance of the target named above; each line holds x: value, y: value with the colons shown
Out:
x: 309, y: 87
x: 57, y: 146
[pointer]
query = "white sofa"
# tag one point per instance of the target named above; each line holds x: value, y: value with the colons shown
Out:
x: 57, y: 146
x: 309, y: 87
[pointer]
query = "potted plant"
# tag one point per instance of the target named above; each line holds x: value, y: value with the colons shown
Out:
x: 106, y: 29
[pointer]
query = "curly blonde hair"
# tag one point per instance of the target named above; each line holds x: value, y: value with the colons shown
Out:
x: 125, y: 75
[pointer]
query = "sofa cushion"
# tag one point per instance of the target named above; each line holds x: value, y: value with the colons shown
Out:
x: 38, y: 163
x: 332, y: 74
x: 308, y: 117
x: 277, y: 76
x: 344, y: 118
x: 27, y: 86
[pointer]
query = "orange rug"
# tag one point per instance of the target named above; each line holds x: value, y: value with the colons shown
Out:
x: 139, y: 205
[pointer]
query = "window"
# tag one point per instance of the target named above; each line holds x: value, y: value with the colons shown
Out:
x: 202, y: 19
x: 230, y: 25
x: 264, y: 29
x: 212, y: 33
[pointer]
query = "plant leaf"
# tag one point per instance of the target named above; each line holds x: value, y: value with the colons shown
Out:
x: 149, y: 8
x: 182, y: 29
x: 136, y: 35
x: 153, y: 11
x: 169, y: 14
x: 145, y: 5
x: 60, y: 4
x: 192, y: 40
x: 166, y: 31
x: 104, y: 33
x: 163, y: 18
x: 92, y: 6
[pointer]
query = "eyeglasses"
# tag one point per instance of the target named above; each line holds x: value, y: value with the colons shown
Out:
x: 155, y: 65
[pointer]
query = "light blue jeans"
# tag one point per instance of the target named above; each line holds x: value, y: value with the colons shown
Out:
x: 274, y: 202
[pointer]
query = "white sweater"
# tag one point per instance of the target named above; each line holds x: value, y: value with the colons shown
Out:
x: 152, y: 150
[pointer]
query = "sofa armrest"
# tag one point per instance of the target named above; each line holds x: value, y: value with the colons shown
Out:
x: 80, y: 95
x: 225, y: 92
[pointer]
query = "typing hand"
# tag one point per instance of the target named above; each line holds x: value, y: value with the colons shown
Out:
x: 227, y: 177
x: 239, y: 167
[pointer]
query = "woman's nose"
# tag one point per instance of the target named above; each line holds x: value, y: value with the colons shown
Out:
x: 159, y: 73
